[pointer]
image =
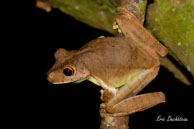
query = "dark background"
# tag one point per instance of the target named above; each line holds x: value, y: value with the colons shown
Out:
x: 40, y: 104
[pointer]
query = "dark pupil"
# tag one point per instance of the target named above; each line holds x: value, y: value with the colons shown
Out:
x: 67, y: 72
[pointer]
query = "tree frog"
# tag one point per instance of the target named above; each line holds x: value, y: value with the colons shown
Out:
x: 122, y: 66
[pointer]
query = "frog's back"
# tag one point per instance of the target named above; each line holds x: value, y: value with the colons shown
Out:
x: 117, y: 51
x: 109, y: 51
x: 112, y: 57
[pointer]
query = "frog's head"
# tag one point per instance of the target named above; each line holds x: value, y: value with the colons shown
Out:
x: 67, y: 68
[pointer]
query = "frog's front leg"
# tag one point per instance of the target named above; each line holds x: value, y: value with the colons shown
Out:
x: 123, y: 104
x: 131, y: 27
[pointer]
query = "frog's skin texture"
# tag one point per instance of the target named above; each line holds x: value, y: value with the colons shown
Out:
x: 121, y: 66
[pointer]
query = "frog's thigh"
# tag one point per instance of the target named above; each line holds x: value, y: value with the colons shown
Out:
x: 150, y: 76
x: 132, y: 88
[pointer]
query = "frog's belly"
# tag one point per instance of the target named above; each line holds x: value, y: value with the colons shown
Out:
x: 115, y: 82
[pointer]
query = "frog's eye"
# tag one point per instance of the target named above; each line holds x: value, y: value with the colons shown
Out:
x: 68, y: 71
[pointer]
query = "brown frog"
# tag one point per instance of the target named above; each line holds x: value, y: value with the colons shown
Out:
x: 122, y: 66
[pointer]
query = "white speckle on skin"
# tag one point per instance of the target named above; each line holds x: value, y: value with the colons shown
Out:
x: 173, y: 9
x: 77, y: 7
x: 188, y: 68
x: 101, y: 37
x: 156, y: 19
x: 179, y: 43
x: 101, y: 12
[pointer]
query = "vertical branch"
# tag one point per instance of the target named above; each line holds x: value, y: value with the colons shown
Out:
x: 137, y: 7
x: 114, y: 122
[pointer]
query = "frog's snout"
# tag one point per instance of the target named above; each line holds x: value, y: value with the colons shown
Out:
x: 55, y: 77
x: 50, y: 76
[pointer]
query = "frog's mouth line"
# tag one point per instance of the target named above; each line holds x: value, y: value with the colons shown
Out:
x: 76, y: 81
x: 58, y: 83
x: 80, y: 80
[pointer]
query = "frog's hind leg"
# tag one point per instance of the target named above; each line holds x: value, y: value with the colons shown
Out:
x: 120, y: 105
x: 136, y: 104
